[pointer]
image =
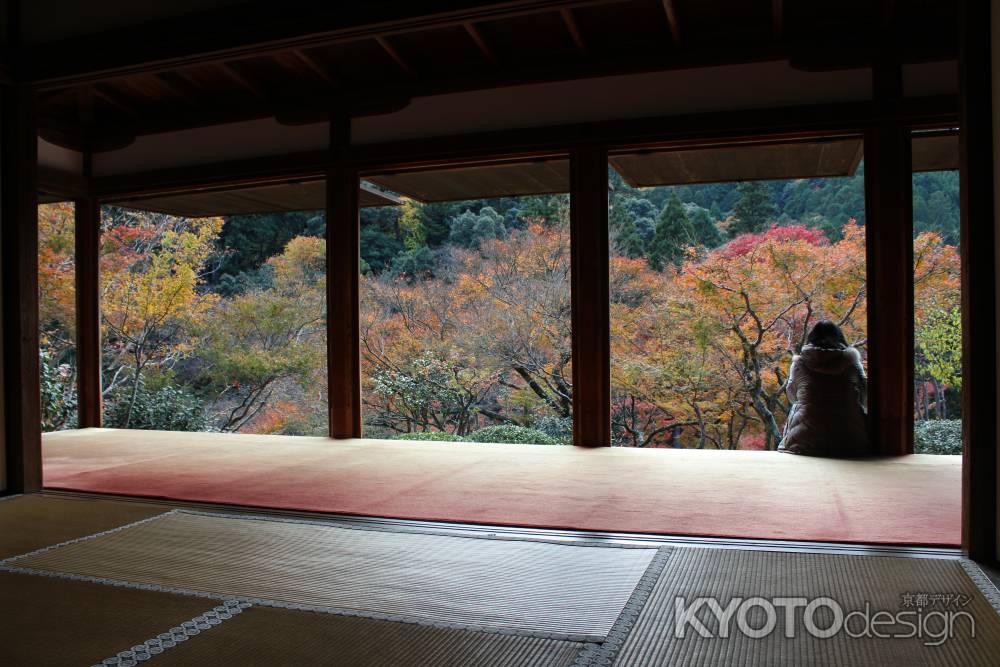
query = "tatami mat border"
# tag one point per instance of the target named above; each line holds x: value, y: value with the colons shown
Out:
x: 982, y: 582
x: 175, y: 635
x: 604, y: 653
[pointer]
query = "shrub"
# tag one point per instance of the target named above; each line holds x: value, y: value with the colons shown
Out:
x: 166, y: 408
x: 58, y: 393
x: 937, y: 436
x: 441, y: 436
x: 512, y: 434
x: 558, y: 428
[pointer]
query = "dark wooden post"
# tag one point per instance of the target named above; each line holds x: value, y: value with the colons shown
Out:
x: 979, y: 275
x: 343, y: 275
x: 19, y: 247
x: 591, y: 306
x: 889, y: 233
x: 88, y: 311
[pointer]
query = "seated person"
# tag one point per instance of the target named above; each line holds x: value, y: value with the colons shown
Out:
x: 827, y: 387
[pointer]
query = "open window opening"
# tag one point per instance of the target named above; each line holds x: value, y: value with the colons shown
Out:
x: 722, y: 261
x: 937, y: 294
x: 465, y: 305
x: 57, y: 313
x: 213, y: 310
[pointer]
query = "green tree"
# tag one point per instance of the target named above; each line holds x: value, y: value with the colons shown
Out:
x: 469, y: 229
x: 627, y: 240
x: 753, y: 210
x: 706, y: 233
x: 415, y: 263
x: 939, y: 347
x: 673, y: 235
x: 248, y: 241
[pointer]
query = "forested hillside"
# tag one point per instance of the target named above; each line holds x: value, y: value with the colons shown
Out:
x: 219, y: 324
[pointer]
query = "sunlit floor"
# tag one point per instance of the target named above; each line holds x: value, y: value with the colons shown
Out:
x: 912, y: 499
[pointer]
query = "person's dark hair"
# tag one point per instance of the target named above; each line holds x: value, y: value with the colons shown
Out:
x: 828, y: 335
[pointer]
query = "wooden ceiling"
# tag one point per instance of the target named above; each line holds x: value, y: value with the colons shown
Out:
x: 102, y: 91
x: 804, y: 159
x: 935, y: 152
x: 543, y: 177
x: 293, y: 196
x: 772, y: 161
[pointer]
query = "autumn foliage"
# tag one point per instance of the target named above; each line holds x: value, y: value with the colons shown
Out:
x: 469, y: 326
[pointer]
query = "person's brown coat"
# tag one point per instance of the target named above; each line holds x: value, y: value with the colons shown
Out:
x: 828, y: 392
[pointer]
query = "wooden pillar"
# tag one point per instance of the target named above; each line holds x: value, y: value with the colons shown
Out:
x: 978, y: 175
x: 88, y: 311
x: 342, y: 281
x: 889, y: 233
x: 19, y: 245
x: 590, y: 298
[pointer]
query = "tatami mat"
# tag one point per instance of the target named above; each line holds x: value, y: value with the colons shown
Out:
x: 546, y: 589
x: 266, y: 637
x: 441, y: 582
x: 34, y: 521
x: 54, y: 622
x: 884, y: 583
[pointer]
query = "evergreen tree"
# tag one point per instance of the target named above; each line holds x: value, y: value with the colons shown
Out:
x: 627, y: 240
x: 706, y: 234
x: 673, y: 235
x: 470, y: 229
x: 414, y: 263
x: 435, y: 219
x: 753, y: 210
x: 714, y: 211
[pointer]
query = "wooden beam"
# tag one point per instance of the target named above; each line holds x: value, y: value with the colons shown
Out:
x: 61, y: 184
x: 240, y: 80
x: 590, y: 296
x: 574, y: 30
x: 480, y: 41
x: 88, y: 312
x: 703, y: 129
x: 19, y: 248
x: 394, y: 54
x: 343, y: 259
x: 889, y: 221
x: 670, y: 9
x: 977, y: 148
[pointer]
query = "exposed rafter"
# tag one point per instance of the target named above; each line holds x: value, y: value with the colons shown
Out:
x: 241, y: 80
x: 670, y: 9
x: 394, y: 54
x: 574, y: 30
x: 114, y: 100
x: 172, y: 89
x: 313, y: 66
x: 477, y: 37
x: 257, y: 31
